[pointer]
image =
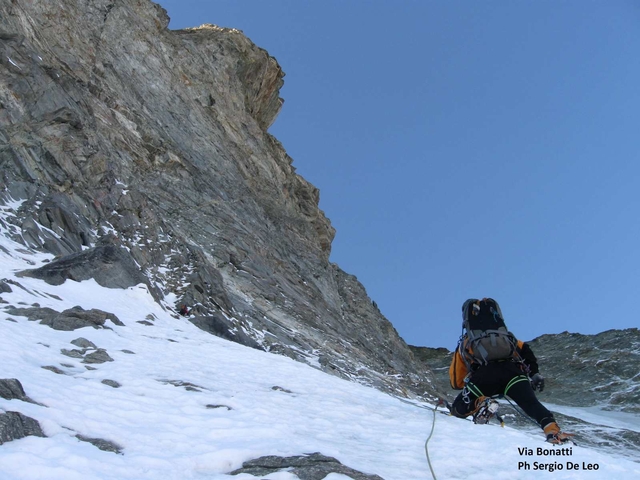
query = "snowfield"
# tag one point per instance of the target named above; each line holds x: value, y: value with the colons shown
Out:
x: 193, y: 406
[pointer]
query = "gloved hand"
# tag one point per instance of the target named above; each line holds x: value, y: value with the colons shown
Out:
x: 537, y: 382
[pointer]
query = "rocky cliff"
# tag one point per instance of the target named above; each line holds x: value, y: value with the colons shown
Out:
x: 592, y: 370
x: 142, y: 155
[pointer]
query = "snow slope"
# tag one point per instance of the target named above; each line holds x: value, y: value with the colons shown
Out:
x: 265, y: 404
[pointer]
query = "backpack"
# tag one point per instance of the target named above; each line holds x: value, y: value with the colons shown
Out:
x: 484, y: 339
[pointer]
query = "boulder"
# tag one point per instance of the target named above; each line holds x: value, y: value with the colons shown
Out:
x: 15, y: 425
x: 314, y: 466
x: 70, y: 319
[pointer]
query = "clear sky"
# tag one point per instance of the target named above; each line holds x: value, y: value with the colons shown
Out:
x: 465, y: 149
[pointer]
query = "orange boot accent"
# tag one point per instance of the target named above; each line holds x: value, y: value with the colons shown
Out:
x: 555, y: 436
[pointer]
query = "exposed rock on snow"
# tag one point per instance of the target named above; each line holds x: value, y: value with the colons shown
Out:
x: 111, y: 266
x: 4, y: 287
x: 70, y: 319
x: 111, y: 383
x: 11, y: 389
x: 99, y: 356
x: 314, y: 466
x: 224, y: 329
x: 83, y: 343
x: 100, y: 443
x: 15, y: 425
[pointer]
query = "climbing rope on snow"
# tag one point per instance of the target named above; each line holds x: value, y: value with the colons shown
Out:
x: 426, y: 444
x: 434, y: 410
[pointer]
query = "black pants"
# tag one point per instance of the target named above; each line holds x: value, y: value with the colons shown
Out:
x: 494, y: 379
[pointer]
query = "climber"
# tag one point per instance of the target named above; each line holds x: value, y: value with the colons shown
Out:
x: 488, y: 362
x: 184, y: 311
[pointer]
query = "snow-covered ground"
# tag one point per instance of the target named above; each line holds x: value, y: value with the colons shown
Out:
x: 599, y: 416
x: 265, y: 404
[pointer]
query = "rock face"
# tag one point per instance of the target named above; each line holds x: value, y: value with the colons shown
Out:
x: 141, y: 155
x: 588, y: 370
x: 110, y: 265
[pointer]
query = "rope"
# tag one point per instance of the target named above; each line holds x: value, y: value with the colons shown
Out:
x: 433, y: 425
x: 521, y: 412
x: 426, y: 444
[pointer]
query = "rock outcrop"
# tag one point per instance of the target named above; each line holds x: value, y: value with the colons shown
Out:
x: 314, y: 466
x: 70, y: 319
x: 141, y: 155
x: 11, y: 389
x: 592, y: 370
x: 15, y: 425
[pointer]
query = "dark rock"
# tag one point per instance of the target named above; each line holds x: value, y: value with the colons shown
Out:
x: 15, y: 425
x: 70, y: 319
x: 67, y: 230
x: 191, y: 387
x: 33, y: 313
x: 314, y: 466
x: 99, y: 356
x: 11, y: 388
x: 54, y: 369
x: 83, y: 343
x: 105, y: 445
x: 211, y: 406
x: 4, y: 287
x: 73, y: 353
x: 280, y: 389
x: 111, y: 383
x: 110, y: 265
x: 591, y: 370
x: 77, y: 317
x: 223, y: 328
x: 437, y: 360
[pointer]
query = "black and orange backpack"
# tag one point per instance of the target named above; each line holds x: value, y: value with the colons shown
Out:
x: 485, y: 338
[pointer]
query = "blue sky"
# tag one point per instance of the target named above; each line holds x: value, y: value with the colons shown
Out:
x: 465, y: 149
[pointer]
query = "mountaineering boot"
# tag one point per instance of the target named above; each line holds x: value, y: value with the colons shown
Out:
x: 554, y: 435
x: 486, y: 409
